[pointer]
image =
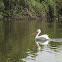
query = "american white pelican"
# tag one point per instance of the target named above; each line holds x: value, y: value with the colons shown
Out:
x: 43, y: 39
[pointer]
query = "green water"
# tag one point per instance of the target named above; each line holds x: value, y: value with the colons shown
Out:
x: 16, y: 41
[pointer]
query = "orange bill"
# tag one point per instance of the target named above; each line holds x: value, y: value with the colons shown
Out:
x: 34, y: 33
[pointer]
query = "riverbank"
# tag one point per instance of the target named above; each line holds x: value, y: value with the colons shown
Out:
x: 30, y: 19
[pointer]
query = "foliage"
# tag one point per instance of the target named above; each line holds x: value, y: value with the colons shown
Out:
x: 32, y: 8
x: 59, y: 6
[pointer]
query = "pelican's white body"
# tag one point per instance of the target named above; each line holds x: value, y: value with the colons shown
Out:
x: 43, y: 39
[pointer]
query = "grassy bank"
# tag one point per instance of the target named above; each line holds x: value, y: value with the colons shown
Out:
x: 30, y: 9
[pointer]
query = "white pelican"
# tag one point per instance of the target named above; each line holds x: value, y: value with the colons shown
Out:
x: 43, y: 39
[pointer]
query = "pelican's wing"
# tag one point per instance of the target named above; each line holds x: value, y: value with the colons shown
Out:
x: 41, y: 39
x: 45, y: 36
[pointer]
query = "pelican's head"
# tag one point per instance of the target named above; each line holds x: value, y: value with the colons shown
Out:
x: 39, y: 31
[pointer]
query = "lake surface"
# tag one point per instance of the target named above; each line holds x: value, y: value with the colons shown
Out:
x: 16, y: 41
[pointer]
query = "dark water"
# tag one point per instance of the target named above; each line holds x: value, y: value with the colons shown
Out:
x: 16, y: 41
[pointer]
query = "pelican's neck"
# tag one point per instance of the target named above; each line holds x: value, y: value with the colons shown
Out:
x: 38, y: 34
